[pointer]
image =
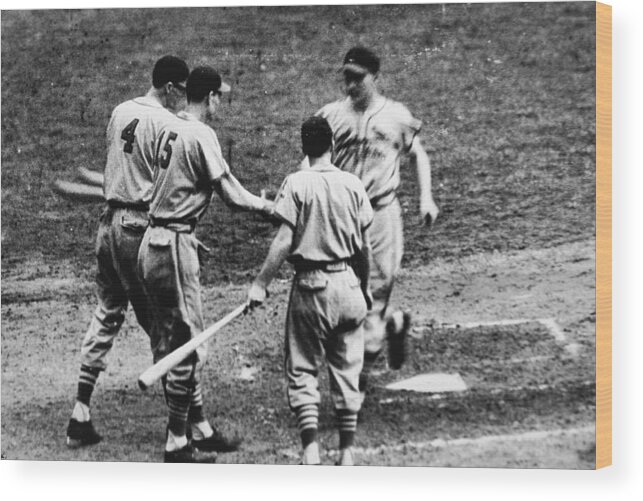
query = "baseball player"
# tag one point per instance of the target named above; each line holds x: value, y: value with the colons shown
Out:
x: 127, y: 187
x: 371, y: 134
x: 189, y: 167
x: 325, y: 214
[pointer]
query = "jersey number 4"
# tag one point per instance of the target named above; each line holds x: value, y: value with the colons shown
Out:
x: 128, y: 135
x: 164, y: 151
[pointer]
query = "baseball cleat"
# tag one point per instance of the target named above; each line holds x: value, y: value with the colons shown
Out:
x: 396, y: 335
x: 81, y: 433
x: 187, y: 454
x: 217, y: 443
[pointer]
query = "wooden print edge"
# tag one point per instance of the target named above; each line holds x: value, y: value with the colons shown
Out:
x: 603, y: 235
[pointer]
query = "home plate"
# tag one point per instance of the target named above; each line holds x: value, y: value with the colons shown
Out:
x: 430, y: 383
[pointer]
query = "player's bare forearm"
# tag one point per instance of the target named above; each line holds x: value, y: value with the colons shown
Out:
x: 361, y: 265
x: 428, y: 209
x: 279, y: 250
x: 237, y: 197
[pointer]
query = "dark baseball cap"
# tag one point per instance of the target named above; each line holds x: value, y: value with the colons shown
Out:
x: 361, y: 60
x: 202, y: 81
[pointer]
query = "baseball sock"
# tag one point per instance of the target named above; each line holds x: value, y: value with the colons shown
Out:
x: 80, y: 412
x: 175, y: 443
x: 199, y: 425
x: 307, y: 417
x: 178, y: 406
x: 347, y: 425
x: 370, y: 358
x: 86, y: 383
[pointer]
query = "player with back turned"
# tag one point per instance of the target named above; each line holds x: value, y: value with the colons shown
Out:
x: 189, y: 168
x: 325, y: 214
x: 127, y: 187
x: 371, y: 135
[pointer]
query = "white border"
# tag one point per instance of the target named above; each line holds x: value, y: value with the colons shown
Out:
x: 101, y: 481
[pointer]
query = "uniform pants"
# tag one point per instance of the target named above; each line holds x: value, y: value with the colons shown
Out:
x: 120, y: 232
x: 387, y: 247
x: 325, y: 317
x: 169, y: 268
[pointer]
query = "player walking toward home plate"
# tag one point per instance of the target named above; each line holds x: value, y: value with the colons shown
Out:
x: 189, y: 167
x: 127, y: 187
x: 371, y: 134
x: 325, y: 213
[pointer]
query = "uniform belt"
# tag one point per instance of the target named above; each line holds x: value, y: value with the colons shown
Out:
x: 140, y: 206
x: 328, y: 266
x: 179, y: 225
x: 383, y: 199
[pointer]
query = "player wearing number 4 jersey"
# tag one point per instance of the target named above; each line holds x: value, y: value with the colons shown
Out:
x: 132, y: 130
x: 127, y: 187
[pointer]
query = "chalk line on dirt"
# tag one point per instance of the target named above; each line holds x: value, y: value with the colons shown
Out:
x: 440, y: 443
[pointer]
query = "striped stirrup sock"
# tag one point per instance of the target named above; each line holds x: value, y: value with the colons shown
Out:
x: 86, y: 383
x: 346, y: 425
x: 195, y: 414
x: 178, y: 406
x: 307, y: 417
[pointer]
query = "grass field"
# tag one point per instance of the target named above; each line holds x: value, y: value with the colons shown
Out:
x: 507, y: 95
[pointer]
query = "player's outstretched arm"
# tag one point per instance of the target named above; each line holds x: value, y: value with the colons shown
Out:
x: 279, y: 250
x: 237, y: 197
x: 78, y: 192
x: 428, y: 209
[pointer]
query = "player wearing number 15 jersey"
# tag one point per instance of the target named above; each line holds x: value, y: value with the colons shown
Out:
x: 188, y: 168
x: 127, y: 187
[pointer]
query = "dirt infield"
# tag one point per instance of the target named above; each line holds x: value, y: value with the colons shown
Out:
x: 529, y: 401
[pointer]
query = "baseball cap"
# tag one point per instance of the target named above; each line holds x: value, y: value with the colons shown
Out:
x: 202, y: 81
x: 361, y: 60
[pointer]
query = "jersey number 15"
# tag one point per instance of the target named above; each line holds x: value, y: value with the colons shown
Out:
x: 164, y: 149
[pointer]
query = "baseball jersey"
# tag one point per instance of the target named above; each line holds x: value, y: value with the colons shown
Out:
x: 370, y: 144
x: 131, y: 132
x: 187, y: 160
x: 328, y: 209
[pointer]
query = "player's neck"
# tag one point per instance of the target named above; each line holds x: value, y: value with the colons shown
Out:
x: 323, y: 161
x: 196, y: 110
x: 157, y: 95
x: 364, y: 104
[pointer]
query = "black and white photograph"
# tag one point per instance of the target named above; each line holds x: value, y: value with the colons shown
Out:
x: 300, y: 235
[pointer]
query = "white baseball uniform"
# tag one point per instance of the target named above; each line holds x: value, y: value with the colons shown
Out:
x: 131, y: 132
x: 328, y: 210
x: 370, y: 144
x: 188, y: 160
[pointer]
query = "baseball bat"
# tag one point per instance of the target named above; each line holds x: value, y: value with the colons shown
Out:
x: 163, y: 366
x: 79, y: 192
